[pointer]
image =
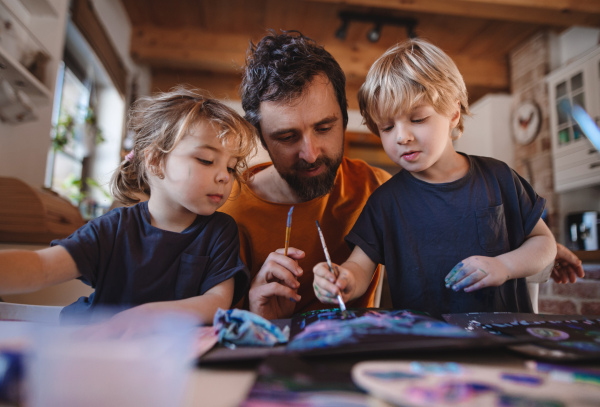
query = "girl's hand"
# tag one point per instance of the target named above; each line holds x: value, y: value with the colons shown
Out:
x: 327, y: 286
x: 476, y: 272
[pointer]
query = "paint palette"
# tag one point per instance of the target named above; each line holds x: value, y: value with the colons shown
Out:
x: 560, y: 337
x: 420, y: 384
x: 329, y: 332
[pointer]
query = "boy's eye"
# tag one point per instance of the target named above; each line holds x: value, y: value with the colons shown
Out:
x: 419, y: 120
x: 384, y: 129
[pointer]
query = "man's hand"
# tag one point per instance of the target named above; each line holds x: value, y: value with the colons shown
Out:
x: 567, y: 266
x: 274, y: 290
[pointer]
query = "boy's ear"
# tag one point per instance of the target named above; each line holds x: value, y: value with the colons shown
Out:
x: 455, y: 116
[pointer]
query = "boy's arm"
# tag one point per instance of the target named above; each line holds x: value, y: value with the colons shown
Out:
x: 475, y: 272
x: 354, y: 277
x: 23, y: 271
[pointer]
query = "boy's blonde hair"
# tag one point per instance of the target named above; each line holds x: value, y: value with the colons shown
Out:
x: 160, y: 121
x: 409, y: 73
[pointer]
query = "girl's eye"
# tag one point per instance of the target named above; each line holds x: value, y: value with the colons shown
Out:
x: 205, y: 162
x: 231, y: 170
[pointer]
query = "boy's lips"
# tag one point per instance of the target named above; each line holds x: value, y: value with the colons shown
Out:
x: 411, y: 155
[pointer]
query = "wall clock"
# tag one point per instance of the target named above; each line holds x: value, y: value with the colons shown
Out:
x: 526, y: 121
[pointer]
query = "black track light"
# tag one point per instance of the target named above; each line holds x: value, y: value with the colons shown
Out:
x: 375, y: 33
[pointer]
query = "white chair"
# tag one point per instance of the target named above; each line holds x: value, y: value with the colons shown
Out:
x: 30, y: 313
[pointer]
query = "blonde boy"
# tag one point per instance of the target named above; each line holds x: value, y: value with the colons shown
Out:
x: 457, y: 233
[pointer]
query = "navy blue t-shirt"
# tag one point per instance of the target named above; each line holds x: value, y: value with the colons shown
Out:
x: 130, y: 262
x: 420, y: 231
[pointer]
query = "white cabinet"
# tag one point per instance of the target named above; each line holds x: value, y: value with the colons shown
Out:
x: 24, y: 83
x: 576, y: 161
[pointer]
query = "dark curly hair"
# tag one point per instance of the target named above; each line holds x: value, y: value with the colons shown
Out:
x: 280, y: 66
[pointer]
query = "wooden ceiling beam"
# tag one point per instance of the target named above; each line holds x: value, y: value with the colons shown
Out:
x: 560, y: 13
x: 225, y: 53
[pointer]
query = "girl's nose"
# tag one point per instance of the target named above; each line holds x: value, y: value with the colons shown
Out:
x: 223, y: 176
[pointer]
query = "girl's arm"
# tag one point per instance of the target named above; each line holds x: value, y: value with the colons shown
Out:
x: 134, y: 322
x: 23, y: 271
x: 354, y: 277
x: 475, y: 272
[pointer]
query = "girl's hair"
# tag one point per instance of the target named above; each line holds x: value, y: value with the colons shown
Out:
x: 160, y: 121
x: 409, y: 73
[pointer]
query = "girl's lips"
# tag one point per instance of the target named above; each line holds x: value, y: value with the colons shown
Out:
x: 215, y: 198
x: 411, y: 156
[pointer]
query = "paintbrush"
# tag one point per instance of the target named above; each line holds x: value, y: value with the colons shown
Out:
x: 339, y: 297
x: 288, y: 230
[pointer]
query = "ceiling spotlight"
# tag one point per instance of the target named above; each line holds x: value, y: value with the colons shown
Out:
x: 375, y: 33
x: 342, y: 31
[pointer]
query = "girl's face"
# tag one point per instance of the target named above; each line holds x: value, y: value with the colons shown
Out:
x: 198, y: 174
x: 419, y: 140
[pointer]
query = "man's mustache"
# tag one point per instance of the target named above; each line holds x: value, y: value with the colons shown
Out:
x: 306, y: 166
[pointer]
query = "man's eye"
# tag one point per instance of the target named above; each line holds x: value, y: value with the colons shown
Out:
x: 286, y: 138
x: 324, y: 129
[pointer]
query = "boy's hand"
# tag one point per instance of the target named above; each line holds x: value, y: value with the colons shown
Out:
x: 476, y: 272
x: 327, y: 286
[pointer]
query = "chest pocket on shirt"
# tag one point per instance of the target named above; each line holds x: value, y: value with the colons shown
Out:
x: 491, y: 228
x: 191, y: 273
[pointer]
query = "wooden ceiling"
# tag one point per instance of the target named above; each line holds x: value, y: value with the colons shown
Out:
x: 203, y: 42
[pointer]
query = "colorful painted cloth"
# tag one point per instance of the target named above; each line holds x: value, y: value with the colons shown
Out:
x: 238, y: 327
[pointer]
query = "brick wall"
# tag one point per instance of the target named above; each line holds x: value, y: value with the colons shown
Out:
x: 529, y: 64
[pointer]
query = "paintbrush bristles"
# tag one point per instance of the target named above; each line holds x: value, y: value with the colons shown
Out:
x: 288, y: 230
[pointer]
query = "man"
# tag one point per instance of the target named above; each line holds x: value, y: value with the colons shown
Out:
x: 293, y: 92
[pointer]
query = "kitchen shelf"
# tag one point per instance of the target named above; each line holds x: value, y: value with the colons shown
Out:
x: 40, y: 8
x: 21, y: 78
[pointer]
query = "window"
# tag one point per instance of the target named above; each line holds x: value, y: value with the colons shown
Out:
x: 88, y: 120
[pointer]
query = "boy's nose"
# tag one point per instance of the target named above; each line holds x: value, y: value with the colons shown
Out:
x: 404, y: 136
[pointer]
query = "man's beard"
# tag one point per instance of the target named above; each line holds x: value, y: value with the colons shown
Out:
x: 308, y: 188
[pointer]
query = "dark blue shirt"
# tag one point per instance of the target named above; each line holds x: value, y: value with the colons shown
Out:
x: 420, y: 231
x: 130, y: 262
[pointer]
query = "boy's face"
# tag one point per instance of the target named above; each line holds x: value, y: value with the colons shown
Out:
x: 305, y: 138
x: 419, y: 140
x: 198, y: 174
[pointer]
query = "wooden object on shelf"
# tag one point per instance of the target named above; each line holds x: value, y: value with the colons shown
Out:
x: 33, y: 215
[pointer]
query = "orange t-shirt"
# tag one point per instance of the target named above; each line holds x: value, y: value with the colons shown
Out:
x: 262, y: 226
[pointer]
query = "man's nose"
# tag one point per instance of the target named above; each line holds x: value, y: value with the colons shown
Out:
x: 309, y: 151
